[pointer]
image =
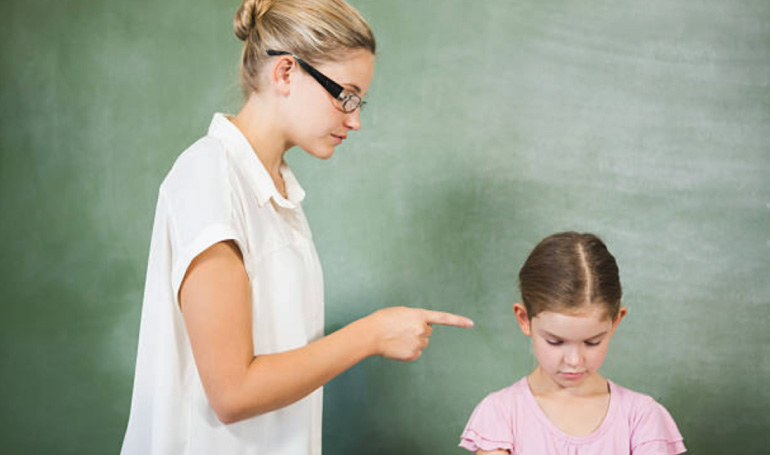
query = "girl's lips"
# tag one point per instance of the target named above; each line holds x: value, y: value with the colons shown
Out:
x: 339, y: 138
x: 572, y: 375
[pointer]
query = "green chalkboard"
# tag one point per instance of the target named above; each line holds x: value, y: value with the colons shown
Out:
x: 490, y: 124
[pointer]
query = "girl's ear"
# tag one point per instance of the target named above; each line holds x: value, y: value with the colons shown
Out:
x: 280, y: 76
x: 621, y: 314
x: 523, y: 318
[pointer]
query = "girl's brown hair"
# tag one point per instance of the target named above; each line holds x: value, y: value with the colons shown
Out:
x: 314, y: 30
x: 567, y: 271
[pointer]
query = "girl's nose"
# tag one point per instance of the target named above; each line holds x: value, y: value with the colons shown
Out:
x: 573, y: 357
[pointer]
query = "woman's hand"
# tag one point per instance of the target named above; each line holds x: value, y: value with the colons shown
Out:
x: 216, y: 303
x: 401, y: 333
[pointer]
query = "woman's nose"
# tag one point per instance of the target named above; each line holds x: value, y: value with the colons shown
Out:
x: 352, y: 120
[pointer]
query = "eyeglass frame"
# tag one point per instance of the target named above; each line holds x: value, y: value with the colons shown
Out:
x: 340, y: 93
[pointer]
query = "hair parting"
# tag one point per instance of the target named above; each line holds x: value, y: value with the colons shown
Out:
x: 566, y: 272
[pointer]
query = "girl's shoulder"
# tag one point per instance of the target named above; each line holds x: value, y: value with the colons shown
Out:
x: 519, y: 388
x: 492, y: 424
x: 508, y: 401
x: 652, y: 428
x: 512, y: 393
x: 640, y: 409
x: 630, y: 400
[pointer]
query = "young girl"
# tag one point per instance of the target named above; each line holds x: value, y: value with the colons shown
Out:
x: 231, y: 352
x: 571, y: 307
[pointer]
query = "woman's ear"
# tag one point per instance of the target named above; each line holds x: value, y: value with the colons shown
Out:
x: 523, y: 318
x: 280, y: 76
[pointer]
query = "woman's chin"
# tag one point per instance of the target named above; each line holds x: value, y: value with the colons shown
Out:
x: 322, y: 153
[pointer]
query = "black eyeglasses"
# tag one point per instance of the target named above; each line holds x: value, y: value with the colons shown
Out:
x: 349, y: 102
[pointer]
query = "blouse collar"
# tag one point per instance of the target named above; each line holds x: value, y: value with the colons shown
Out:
x: 246, y: 158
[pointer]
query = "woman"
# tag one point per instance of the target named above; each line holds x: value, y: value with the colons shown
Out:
x: 231, y: 353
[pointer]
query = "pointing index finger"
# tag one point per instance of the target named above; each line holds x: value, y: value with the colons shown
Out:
x: 442, y: 318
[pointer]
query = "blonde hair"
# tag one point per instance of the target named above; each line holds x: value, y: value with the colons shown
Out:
x: 314, y: 30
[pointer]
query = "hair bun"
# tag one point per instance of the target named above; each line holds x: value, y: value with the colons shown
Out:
x: 248, y: 15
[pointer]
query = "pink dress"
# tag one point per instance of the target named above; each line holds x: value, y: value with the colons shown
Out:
x: 510, y: 419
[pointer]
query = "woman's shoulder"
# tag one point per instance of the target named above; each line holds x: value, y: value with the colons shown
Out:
x: 199, y: 188
x: 204, y: 159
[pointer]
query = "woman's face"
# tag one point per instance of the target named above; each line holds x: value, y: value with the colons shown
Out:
x: 318, y: 123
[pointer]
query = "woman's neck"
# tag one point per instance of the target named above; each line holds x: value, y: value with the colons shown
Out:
x: 257, y: 122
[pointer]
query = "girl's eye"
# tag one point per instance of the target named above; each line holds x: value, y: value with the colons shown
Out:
x: 592, y: 343
x: 553, y: 342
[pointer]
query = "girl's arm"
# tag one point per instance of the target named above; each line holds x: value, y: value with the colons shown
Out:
x: 492, y: 452
x: 215, y: 299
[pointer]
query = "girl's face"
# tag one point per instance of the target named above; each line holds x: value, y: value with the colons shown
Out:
x: 569, y: 347
x: 318, y: 124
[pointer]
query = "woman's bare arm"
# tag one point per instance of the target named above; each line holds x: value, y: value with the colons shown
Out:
x: 215, y: 298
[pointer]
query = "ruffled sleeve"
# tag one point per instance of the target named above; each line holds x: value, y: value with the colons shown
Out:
x: 654, y: 431
x: 489, y: 427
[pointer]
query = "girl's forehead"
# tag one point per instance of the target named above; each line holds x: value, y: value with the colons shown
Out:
x: 586, y: 323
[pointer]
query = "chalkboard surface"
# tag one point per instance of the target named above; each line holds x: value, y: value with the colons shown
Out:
x: 490, y: 124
